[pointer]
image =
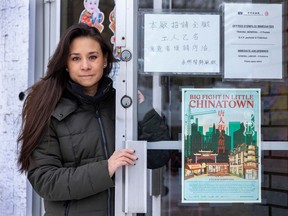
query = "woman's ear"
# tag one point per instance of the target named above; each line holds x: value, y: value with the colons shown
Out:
x: 105, y: 61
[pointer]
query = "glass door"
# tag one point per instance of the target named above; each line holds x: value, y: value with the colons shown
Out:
x: 159, y: 100
x: 149, y: 114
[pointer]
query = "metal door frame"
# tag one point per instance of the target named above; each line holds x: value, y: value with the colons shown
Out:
x: 44, y: 33
x: 126, y: 81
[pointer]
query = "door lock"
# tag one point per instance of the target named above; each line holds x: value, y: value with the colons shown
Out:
x: 126, y: 101
x: 126, y: 55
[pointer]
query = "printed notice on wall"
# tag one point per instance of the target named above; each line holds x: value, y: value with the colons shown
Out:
x: 181, y: 43
x: 253, y: 41
x: 221, y: 153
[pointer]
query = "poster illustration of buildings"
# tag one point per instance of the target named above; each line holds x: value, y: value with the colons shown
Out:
x: 221, y: 157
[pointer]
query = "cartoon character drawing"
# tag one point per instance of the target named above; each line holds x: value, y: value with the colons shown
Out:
x: 92, y: 15
x: 112, y: 26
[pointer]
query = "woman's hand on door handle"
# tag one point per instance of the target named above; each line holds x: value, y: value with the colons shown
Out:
x: 123, y: 157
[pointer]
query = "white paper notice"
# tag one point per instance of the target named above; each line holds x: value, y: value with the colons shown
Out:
x: 253, y: 41
x: 182, y: 43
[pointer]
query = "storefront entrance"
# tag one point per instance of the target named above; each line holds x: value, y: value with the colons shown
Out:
x: 158, y: 189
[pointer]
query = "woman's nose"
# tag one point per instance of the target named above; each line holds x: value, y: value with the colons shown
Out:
x: 85, y: 64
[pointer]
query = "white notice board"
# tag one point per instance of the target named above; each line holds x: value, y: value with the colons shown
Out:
x: 188, y: 43
x: 253, y: 41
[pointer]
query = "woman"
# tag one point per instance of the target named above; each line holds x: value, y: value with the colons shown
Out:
x: 68, y: 131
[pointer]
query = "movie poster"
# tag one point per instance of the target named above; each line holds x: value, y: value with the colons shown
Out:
x: 221, y: 157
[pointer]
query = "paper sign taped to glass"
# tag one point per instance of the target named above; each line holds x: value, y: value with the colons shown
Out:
x: 221, y: 145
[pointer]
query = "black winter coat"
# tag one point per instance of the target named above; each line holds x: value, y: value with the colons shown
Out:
x: 69, y: 168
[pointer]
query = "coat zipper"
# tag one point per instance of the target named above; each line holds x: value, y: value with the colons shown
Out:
x: 103, y: 137
x: 66, y: 204
x: 106, y: 153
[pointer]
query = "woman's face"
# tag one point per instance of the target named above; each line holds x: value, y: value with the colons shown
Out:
x: 86, y: 63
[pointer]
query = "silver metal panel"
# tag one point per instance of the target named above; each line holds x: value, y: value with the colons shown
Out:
x: 136, y: 180
x: 121, y: 15
x: 173, y: 145
x: 274, y: 145
x: 177, y: 145
x: 126, y: 118
x: 52, y: 22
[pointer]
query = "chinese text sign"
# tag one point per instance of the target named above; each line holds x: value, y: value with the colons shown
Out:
x: 181, y: 43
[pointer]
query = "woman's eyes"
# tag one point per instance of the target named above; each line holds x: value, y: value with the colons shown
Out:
x: 93, y: 57
x: 76, y: 58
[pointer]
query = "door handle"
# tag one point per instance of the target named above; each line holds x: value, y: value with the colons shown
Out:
x: 135, y: 187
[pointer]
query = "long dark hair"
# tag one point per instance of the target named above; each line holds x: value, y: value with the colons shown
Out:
x: 44, y: 95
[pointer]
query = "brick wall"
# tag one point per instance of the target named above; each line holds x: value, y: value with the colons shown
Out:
x: 14, y: 35
x: 275, y: 184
